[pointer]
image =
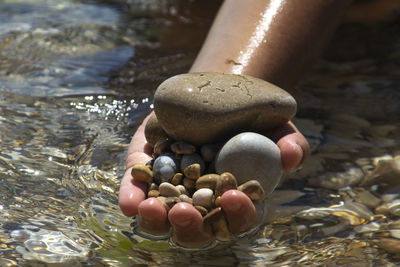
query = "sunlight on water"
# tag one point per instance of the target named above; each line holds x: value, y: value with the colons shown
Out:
x: 77, y: 78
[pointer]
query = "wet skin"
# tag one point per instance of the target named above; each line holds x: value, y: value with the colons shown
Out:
x: 187, y: 223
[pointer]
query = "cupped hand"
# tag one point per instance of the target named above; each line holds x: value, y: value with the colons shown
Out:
x: 187, y: 223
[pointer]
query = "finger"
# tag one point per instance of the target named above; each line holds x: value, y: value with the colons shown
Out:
x: 139, y: 142
x: 188, y: 226
x: 293, y: 145
x: 153, y: 217
x: 240, y: 212
x: 131, y: 193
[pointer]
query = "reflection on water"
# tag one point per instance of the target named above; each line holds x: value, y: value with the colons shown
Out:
x: 76, y: 78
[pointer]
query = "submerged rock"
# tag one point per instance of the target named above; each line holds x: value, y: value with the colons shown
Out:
x: 203, y: 108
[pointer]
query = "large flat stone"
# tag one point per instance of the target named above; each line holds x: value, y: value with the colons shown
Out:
x: 204, y: 108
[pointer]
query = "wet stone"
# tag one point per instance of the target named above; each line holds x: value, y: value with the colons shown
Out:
x: 177, y: 179
x: 253, y: 190
x: 153, y: 186
x: 182, y: 189
x: 162, y: 146
x: 168, y: 190
x: 203, y: 211
x: 203, y: 197
x: 225, y: 182
x: 390, y: 245
x: 213, y: 216
x: 220, y: 229
x: 164, y: 167
x: 217, y: 201
x: 209, y: 151
x: 142, y: 173
x: 207, y: 181
x: 153, y: 193
x: 192, y: 171
x: 182, y: 147
x: 188, y: 160
x: 153, y: 131
x: 185, y: 198
x: 189, y: 183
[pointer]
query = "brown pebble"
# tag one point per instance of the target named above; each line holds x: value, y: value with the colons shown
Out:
x: 253, y: 190
x: 207, y: 181
x: 217, y: 201
x: 142, y: 173
x: 162, y: 146
x: 153, y: 193
x: 185, y: 198
x: 153, y: 186
x: 177, y: 179
x: 391, y: 245
x: 153, y: 131
x: 182, y: 147
x: 220, y: 229
x: 225, y: 182
x: 203, y: 211
x: 189, y: 184
x: 382, y: 209
x: 168, y: 190
x: 213, y: 215
x: 192, y: 171
x: 171, y: 201
x: 150, y: 164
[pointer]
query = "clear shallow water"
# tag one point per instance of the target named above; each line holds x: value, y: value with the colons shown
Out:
x: 76, y: 78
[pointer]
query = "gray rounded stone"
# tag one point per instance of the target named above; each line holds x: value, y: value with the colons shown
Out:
x: 251, y: 156
x: 165, y: 167
x: 202, y: 108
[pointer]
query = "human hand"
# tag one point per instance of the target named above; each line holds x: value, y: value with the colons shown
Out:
x: 188, y: 229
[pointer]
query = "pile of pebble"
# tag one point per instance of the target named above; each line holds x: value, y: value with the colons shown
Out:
x: 181, y: 172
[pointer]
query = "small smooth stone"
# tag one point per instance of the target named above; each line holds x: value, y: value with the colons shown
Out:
x: 188, y: 160
x: 171, y: 201
x: 253, y: 190
x: 163, y: 201
x: 150, y: 164
x: 192, y: 171
x: 153, y: 131
x: 162, y: 146
x: 203, y: 197
x: 390, y: 245
x: 203, y: 211
x: 217, y: 201
x: 153, y: 186
x: 168, y: 190
x: 153, y: 193
x: 251, y: 156
x: 202, y: 108
x: 189, y: 183
x: 220, y: 229
x: 177, y: 179
x: 185, y: 198
x: 182, y: 147
x: 213, y: 215
x: 164, y: 167
x: 225, y: 182
x: 209, y: 151
x: 182, y: 189
x: 142, y: 173
x: 207, y: 181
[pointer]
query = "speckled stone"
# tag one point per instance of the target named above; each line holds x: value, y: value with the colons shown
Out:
x: 225, y: 182
x: 207, y: 181
x: 153, y: 131
x: 203, y: 197
x: 189, y: 183
x: 142, y: 173
x: 253, y: 190
x: 188, y: 160
x: 192, y: 171
x: 168, y: 190
x: 162, y: 146
x: 165, y: 167
x: 251, y: 156
x: 177, y: 179
x: 202, y: 108
x: 181, y: 147
x: 153, y: 193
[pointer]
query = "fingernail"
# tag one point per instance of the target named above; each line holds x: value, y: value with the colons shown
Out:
x: 299, y: 165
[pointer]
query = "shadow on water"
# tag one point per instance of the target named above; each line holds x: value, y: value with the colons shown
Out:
x: 76, y: 79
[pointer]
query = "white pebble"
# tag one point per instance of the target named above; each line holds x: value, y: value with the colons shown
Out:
x: 203, y: 197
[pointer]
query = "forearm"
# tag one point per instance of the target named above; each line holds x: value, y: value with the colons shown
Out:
x: 275, y: 40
